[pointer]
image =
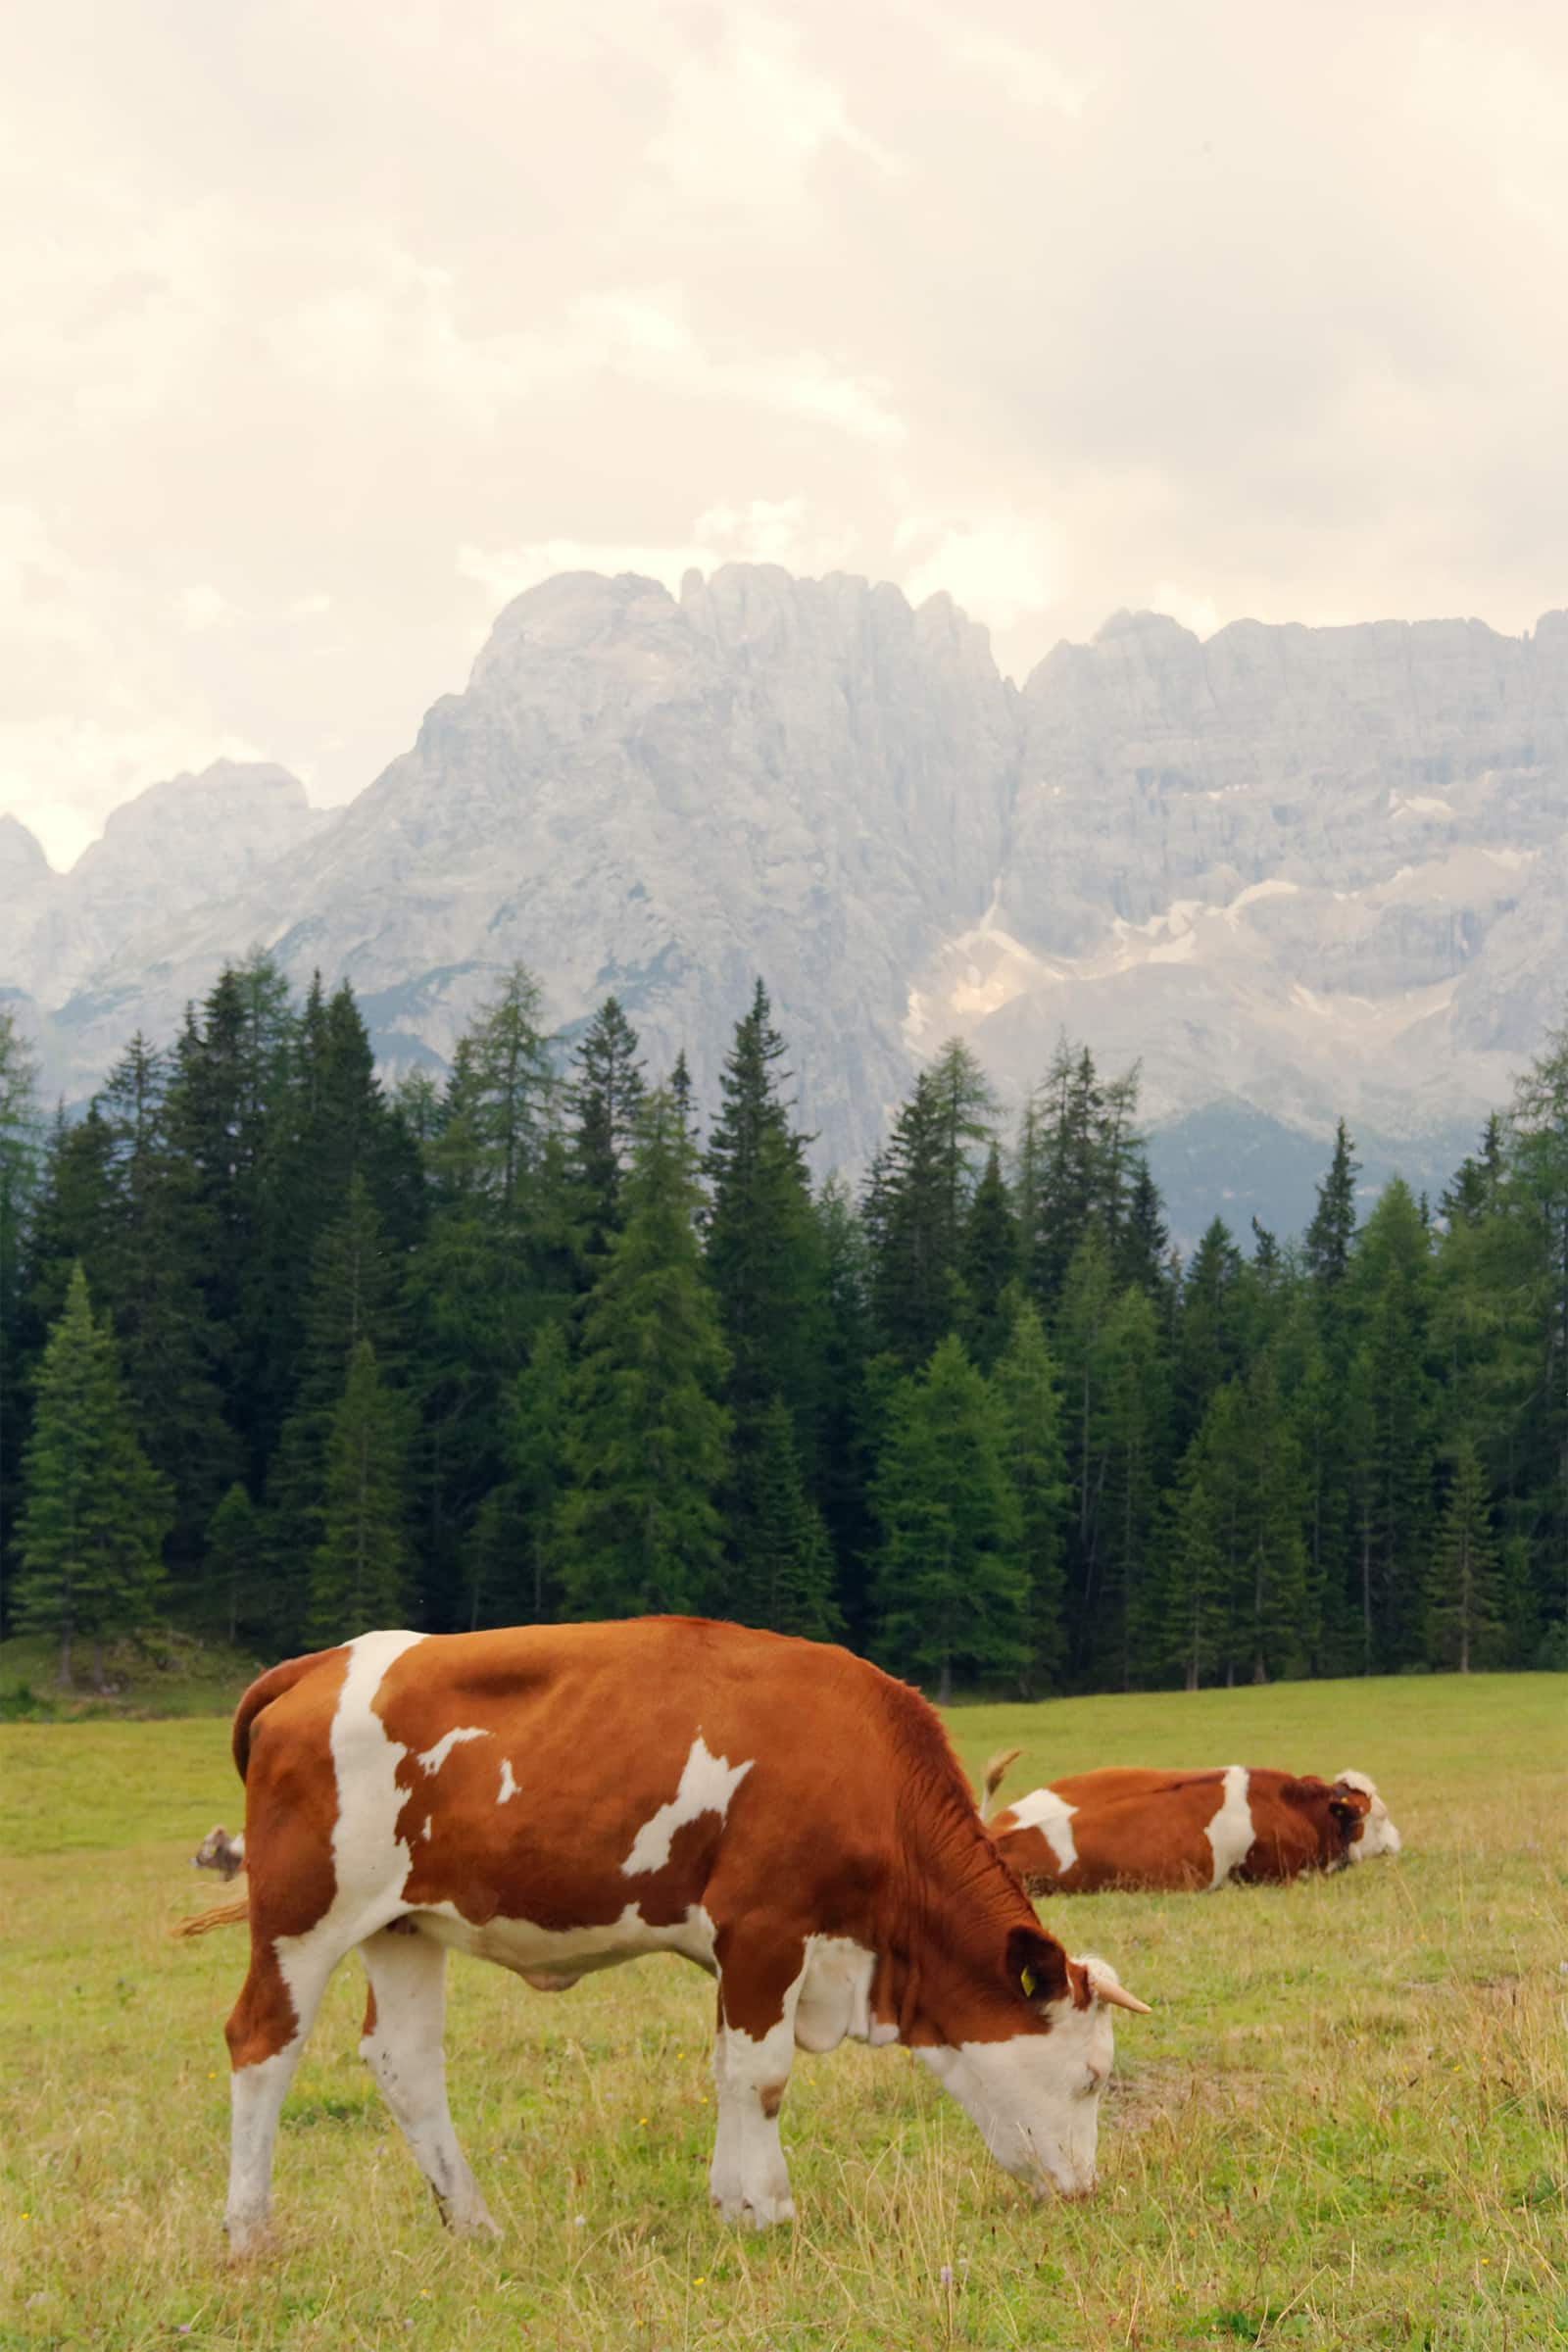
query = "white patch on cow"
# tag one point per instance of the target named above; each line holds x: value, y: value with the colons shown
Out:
x: 748, y: 2179
x: 1034, y: 2099
x: 524, y: 1947
x: 434, y: 1757
x: 835, y: 2003
x: 509, y: 1786
x: 424, y: 1834
x: 1230, y: 1833
x: 1378, y: 1832
x: 403, y: 2050
x: 369, y: 1860
x: 707, y: 1785
x: 1044, y: 1810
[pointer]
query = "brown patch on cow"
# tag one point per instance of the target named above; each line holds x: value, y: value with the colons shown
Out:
x: 290, y: 1813
x: 755, y: 1976
x: 369, y: 2027
x: 771, y: 2096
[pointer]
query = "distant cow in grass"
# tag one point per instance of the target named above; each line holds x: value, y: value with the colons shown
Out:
x: 219, y: 1851
x: 1175, y: 1831
x: 558, y: 1798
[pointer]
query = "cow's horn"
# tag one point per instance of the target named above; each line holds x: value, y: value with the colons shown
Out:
x: 1107, y: 1987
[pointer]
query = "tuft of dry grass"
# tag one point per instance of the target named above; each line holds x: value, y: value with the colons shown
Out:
x: 1345, y: 2124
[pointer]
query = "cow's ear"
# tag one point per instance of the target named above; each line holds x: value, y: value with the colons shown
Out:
x: 1036, y: 1965
x: 1349, y: 1804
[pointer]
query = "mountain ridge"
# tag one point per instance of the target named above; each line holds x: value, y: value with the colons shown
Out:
x: 1310, y: 871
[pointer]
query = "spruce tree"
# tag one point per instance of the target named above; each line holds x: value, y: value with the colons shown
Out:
x: 647, y: 1437
x: 515, y: 1551
x: 354, y: 1296
x: 494, y: 1265
x: 784, y: 1574
x: 1210, y: 1328
x: 360, y: 1571
x: 1388, y: 1414
x: 845, y: 1445
x: 170, y: 1356
x: 606, y: 1092
x: 1464, y: 1597
x: 951, y: 1589
x: 19, y: 1145
x: 1029, y: 1399
x: 988, y: 1264
x: 761, y: 1254
x: 94, y: 1512
x: 233, y: 1580
x: 1333, y: 1228
x: 1193, y: 1631
x: 914, y: 1240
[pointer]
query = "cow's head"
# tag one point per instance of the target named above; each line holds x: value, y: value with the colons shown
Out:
x: 1034, y: 2094
x: 1364, y: 1818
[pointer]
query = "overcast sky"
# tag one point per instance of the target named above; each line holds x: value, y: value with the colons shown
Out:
x: 327, y: 327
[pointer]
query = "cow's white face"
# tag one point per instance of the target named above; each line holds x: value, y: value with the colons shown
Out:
x: 1034, y: 2099
x: 1378, y: 1832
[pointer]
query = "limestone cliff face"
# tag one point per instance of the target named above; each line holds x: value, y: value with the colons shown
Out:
x: 663, y: 797
x: 177, y: 846
x: 1303, y: 867
x: 1304, y: 870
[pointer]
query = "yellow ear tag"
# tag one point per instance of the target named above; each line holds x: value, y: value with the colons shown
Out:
x: 1027, y: 1981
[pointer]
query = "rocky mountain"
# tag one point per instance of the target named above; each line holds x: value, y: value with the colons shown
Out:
x: 1294, y: 871
x: 177, y: 846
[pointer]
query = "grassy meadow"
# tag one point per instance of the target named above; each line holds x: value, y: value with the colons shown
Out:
x: 1346, y: 2123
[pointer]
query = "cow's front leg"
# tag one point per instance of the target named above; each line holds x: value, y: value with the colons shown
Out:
x: 753, y: 2050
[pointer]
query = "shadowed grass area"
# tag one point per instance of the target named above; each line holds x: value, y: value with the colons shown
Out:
x: 1345, y: 2124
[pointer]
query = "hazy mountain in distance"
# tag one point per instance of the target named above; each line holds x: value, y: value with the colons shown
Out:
x: 1294, y: 871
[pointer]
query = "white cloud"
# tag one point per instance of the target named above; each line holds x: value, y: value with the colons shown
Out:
x: 1200, y: 613
x: 749, y: 119
x: 764, y: 531
x: 60, y: 778
x: 1025, y: 74
x: 1001, y: 567
x: 202, y: 607
x: 1039, y: 308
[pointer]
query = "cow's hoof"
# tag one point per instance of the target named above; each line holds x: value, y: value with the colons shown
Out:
x: 754, y: 2213
x: 477, y: 2225
x: 250, y: 2241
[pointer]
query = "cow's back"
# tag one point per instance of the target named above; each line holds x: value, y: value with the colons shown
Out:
x: 552, y: 1771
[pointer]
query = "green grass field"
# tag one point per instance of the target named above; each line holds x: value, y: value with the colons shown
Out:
x: 1346, y: 2122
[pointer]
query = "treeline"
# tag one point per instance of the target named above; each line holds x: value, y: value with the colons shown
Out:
x: 286, y: 1353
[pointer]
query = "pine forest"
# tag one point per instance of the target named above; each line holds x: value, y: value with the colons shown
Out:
x: 287, y: 1351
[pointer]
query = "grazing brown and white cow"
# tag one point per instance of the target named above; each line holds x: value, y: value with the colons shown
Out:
x: 559, y: 1798
x: 1176, y: 1831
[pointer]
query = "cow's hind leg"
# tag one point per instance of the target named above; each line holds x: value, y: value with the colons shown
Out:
x: 266, y: 2034
x: 752, y: 2050
x: 402, y: 2044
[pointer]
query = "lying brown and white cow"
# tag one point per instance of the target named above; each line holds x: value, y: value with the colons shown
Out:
x: 1178, y: 1830
x: 559, y: 1798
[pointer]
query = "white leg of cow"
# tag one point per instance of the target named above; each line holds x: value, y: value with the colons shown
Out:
x: 402, y: 2045
x: 748, y: 2179
x: 268, y: 2009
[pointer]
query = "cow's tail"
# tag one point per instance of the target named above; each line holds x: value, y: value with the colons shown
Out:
x: 995, y: 1772
x: 231, y: 1914
x: 261, y: 1693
